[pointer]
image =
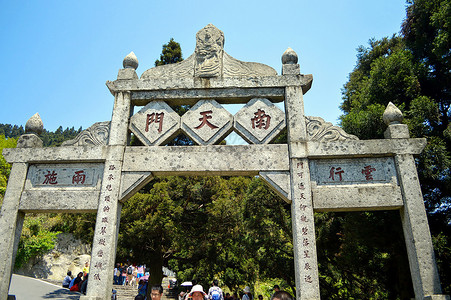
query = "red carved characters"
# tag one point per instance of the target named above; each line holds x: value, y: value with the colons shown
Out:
x: 367, y: 170
x: 79, y: 177
x: 336, y: 171
x: 204, y: 120
x: 261, y: 120
x: 156, y: 118
x: 50, y: 178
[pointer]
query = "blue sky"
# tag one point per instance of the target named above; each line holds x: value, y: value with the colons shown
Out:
x: 57, y: 55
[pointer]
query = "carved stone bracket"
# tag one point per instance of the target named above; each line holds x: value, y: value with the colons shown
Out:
x: 97, y: 135
x: 322, y: 131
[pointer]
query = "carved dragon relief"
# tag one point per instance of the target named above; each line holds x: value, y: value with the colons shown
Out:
x: 322, y: 131
x: 97, y: 135
x: 209, y: 60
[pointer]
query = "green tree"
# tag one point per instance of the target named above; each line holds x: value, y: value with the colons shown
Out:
x: 413, y: 71
x: 269, y: 238
x: 37, y: 238
x: 5, y: 168
x: 171, y: 54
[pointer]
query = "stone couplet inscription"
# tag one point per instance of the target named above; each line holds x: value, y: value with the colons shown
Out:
x: 107, y: 216
x: 64, y: 175
x: 353, y: 171
x: 307, y: 237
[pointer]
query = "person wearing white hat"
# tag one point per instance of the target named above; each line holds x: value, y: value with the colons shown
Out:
x: 197, y: 293
x: 247, y: 293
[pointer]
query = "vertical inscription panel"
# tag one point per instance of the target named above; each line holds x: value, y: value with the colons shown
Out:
x: 304, y: 240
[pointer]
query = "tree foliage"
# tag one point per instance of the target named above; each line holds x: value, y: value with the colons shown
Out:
x: 5, y: 168
x: 412, y: 70
x: 37, y: 239
x: 171, y: 54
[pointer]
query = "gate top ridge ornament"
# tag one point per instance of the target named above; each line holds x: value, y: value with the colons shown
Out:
x: 209, y: 60
x: 321, y: 168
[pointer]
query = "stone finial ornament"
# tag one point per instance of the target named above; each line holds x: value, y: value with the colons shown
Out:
x: 34, y: 125
x: 289, y: 57
x: 130, y: 61
x: 392, y: 115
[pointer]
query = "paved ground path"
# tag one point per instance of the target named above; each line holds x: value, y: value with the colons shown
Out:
x: 27, y: 288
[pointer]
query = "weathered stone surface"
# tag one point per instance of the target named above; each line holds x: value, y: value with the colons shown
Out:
x: 259, y: 121
x: 353, y: 171
x: 289, y: 57
x: 420, y: 251
x: 322, y: 131
x: 95, y: 135
x: 222, y: 96
x: 59, y: 201
x: 291, y: 69
x: 29, y: 140
x: 357, y: 148
x: 207, y: 160
x: 130, y: 61
x: 132, y: 182
x: 59, y: 154
x: 279, y: 182
x: 161, y: 83
x: 397, y: 131
x: 63, y: 175
x: 34, y: 125
x: 155, y: 124
x: 11, y: 221
x: 207, y: 122
x: 62, y: 188
x: 392, y: 115
x: 126, y: 74
x: 365, y: 197
x: 209, y: 60
x: 119, y: 119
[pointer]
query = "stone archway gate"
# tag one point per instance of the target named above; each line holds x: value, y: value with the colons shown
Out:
x: 320, y: 169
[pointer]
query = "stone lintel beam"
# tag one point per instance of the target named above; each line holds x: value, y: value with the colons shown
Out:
x: 358, y: 148
x: 349, y: 198
x: 230, y: 159
x: 222, y: 96
x: 61, y: 154
x: 304, y: 81
x: 207, y: 160
x: 59, y: 201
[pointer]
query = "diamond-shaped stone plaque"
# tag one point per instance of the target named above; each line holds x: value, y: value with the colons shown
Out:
x: 155, y: 124
x: 259, y: 121
x: 207, y: 122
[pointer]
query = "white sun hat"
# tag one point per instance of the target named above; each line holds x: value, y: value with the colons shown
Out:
x: 197, y: 288
x: 247, y: 289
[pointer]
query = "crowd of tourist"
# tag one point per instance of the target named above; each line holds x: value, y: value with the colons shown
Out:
x: 216, y: 293
x: 78, y: 283
x: 136, y: 276
x: 129, y: 274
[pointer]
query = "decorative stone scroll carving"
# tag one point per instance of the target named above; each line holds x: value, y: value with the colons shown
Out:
x: 320, y: 130
x: 209, y: 60
x: 97, y: 135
